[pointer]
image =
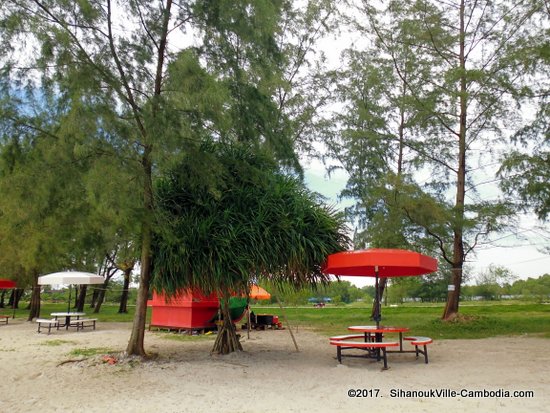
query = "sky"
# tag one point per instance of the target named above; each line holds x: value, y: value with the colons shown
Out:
x: 518, y: 254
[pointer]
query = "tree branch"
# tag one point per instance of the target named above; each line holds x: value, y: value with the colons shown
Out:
x: 439, y: 239
x: 162, y: 48
x: 122, y: 73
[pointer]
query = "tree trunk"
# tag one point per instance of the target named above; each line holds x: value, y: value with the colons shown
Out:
x: 394, y: 216
x: 136, y: 342
x: 227, y: 340
x: 382, y: 282
x: 95, y: 294
x: 136, y: 345
x: 81, y: 298
x: 123, y: 308
x: 101, y: 296
x: 453, y: 295
x: 2, y: 298
x: 35, y: 300
x: 15, y: 297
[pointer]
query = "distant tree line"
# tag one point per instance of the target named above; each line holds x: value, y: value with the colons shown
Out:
x: 113, y: 294
x: 489, y: 285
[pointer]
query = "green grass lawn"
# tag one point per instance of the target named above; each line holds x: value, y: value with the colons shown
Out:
x: 108, y: 312
x: 477, y: 320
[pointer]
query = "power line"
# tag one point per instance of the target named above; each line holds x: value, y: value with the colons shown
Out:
x: 530, y: 260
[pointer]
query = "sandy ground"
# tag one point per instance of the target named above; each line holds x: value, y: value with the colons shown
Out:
x: 39, y: 374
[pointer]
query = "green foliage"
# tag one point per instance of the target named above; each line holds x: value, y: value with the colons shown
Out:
x: 537, y: 288
x: 340, y: 292
x: 252, y: 223
x: 44, y: 211
x: 525, y: 171
x: 528, y: 176
x: 243, y: 54
x: 492, y: 282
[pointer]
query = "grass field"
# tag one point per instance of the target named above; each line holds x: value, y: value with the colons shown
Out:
x: 107, y: 313
x: 477, y: 320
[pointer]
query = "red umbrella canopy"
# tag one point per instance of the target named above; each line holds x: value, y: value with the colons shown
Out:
x: 390, y: 263
x: 6, y: 284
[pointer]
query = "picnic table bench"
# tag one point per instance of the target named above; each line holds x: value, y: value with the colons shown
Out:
x: 420, y: 341
x: 47, y: 322
x: 83, y: 322
x: 4, y: 318
x: 347, y: 337
x: 372, y: 342
x: 374, y: 349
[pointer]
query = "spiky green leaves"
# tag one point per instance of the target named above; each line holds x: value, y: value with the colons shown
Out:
x: 249, y: 221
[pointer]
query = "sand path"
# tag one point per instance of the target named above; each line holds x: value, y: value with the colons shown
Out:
x: 269, y: 376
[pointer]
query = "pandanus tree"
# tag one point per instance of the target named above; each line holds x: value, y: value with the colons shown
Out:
x: 244, y: 220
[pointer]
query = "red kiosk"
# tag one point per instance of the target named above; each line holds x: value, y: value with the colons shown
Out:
x: 189, y: 310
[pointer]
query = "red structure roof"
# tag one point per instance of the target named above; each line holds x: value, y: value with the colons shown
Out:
x: 6, y: 284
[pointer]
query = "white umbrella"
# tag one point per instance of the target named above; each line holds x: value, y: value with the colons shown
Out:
x: 70, y: 277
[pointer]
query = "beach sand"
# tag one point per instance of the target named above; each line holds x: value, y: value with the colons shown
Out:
x: 43, y: 373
